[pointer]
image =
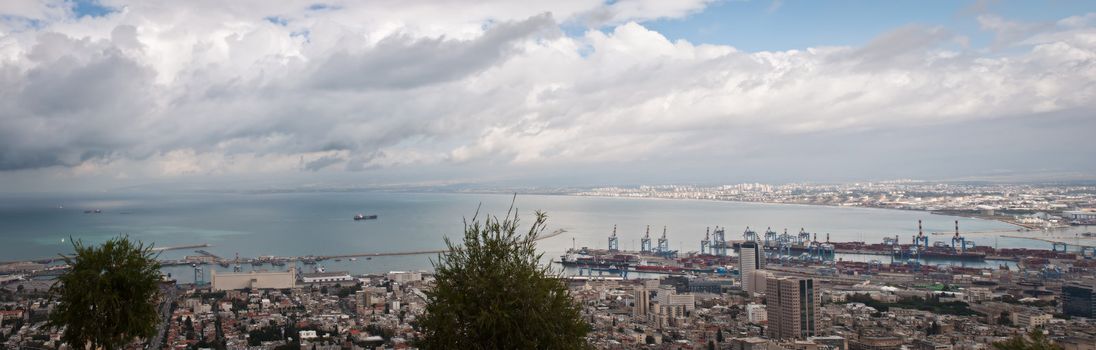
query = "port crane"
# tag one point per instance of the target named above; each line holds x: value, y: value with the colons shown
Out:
x: 719, y: 242
x: 891, y: 241
x: 645, y: 242
x: 664, y: 246
x: 921, y: 239
x: 785, y: 241
x: 1088, y: 252
x: 960, y: 243
x: 198, y: 274
x: 706, y: 241
x: 749, y: 235
x: 614, y: 242
x: 770, y: 238
x: 804, y: 237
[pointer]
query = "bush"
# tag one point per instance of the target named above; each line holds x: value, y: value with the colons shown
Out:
x: 492, y: 293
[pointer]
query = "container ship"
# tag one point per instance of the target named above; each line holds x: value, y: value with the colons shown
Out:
x: 605, y: 261
x: 951, y: 254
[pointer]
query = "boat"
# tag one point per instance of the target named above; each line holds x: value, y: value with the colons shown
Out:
x: 353, y: 259
x: 364, y: 217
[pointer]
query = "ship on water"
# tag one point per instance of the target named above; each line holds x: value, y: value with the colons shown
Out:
x: 360, y: 217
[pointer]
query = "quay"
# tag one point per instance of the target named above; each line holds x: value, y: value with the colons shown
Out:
x: 61, y: 257
x: 207, y: 257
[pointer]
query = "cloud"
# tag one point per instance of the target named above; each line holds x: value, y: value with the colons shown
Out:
x: 155, y: 90
x: 1007, y: 33
x: 402, y: 61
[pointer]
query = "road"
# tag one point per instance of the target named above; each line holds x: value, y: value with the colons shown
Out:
x: 169, y: 295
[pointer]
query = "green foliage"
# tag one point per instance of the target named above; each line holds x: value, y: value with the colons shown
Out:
x: 932, y: 304
x: 1004, y: 319
x: 492, y: 293
x: 108, y: 296
x: 933, y: 329
x: 1035, y: 340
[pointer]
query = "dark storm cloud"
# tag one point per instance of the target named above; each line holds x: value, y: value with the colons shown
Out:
x: 322, y: 162
x: 79, y: 101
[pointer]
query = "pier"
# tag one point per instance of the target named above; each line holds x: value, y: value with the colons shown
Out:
x: 61, y: 257
x: 310, y: 259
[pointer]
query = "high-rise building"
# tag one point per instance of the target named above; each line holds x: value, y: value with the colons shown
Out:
x: 792, y: 306
x: 757, y: 281
x: 642, y: 303
x: 1079, y: 299
x: 750, y: 258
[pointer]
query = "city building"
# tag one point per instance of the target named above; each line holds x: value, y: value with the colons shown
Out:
x: 757, y: 281
x: 1032, y: 320
x: 792, y: 306
x: 253, y: 279
x: 750, y: 258
x: 642, y: 303
x: 327, y: 277
x: 876, y: 343
x: 1078, y: 299
x: 669, y: 298
x: 404, y: 276
x: 756, y: 313
x: 753, y: 343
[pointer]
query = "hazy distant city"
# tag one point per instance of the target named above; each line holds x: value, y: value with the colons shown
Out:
x: 1028, y: 205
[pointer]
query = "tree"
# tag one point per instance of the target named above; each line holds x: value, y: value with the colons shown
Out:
x: 719, y: 335
x: 108, y: 296
x: 1004, y: 319
x: 711, y: 345
x: 1035, y: 340
x: 933, y: 329
x: 492, y: 293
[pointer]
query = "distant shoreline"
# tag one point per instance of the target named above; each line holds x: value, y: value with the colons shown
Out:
x: 996, y: 218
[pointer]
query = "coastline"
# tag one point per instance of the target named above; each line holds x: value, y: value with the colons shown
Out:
x: 997, y: 218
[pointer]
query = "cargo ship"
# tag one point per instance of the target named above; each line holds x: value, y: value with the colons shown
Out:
x: 951, y: 254
x: 598, y: 261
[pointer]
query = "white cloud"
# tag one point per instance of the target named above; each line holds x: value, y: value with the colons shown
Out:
x: 163, y: 89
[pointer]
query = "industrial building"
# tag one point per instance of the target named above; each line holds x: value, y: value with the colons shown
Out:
x: 327, y: 277
x: 253, y: 279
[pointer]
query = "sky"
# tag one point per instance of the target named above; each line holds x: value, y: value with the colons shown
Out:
x: 114, y: 94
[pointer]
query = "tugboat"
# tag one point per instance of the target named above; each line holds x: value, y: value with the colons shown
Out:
x: 364, y: 217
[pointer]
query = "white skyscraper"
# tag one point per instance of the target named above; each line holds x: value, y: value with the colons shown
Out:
x: 750, y: 259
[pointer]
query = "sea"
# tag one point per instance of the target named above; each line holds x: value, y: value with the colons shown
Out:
x: 321, y: 223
